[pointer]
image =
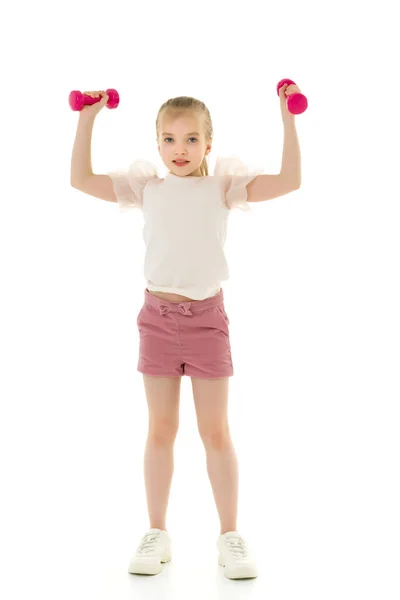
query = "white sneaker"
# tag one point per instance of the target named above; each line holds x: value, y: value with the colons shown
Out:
x: 154, y: 549
x: 235, y: 556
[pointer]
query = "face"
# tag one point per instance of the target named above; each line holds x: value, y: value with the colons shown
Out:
x: 183, y: 138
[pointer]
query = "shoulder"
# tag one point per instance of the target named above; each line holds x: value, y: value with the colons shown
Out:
x: 234, y: 176
x: 143, y: 169
x: 231, y: 166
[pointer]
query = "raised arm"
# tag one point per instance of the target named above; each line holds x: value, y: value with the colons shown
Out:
x: 82, y: 176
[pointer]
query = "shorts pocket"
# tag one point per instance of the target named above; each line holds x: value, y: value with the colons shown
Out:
x: 222, y: 312
x: 140, y: 315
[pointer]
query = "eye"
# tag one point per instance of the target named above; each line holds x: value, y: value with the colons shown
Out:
x: 169, y: 138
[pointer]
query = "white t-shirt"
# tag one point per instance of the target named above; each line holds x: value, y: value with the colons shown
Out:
x: 185, y: 223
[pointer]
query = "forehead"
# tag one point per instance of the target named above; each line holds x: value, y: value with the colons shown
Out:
x: 181, y: 125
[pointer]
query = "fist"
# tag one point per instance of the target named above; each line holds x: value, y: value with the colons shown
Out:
x: 292, y: 89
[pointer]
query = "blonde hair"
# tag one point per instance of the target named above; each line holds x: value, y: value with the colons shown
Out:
x: 177, y: 107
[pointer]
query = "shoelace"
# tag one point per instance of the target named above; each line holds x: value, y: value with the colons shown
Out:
x: 148, y: 543
x: 237, y: 546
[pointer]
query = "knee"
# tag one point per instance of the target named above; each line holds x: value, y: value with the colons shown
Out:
x: 218, y: 439
x: 162, y: 432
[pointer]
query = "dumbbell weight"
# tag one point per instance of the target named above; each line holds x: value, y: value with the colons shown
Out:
x: 77, y: 100
x: 296, y: 103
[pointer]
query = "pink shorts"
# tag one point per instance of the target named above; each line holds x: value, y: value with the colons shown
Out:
x: 184, y: 338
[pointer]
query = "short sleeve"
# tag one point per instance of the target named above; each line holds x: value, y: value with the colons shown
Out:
x: 235, y: 175
x: 129, y: 184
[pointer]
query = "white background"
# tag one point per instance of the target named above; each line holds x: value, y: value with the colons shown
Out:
x: 313, y: 301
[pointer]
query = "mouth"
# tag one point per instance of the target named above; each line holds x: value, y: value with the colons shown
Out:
x: 181, y: 163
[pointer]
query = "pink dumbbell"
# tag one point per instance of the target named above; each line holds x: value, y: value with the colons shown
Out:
x: 77, y: 100
x: 296, y: 103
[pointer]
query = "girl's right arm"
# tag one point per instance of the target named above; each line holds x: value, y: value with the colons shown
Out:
x: 82, y: 176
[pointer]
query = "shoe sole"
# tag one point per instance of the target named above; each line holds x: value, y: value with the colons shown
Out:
x: 142, y: 567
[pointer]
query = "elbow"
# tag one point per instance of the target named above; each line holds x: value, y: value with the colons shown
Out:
x: 75, y: 184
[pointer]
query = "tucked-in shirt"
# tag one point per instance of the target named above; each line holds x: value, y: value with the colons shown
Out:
x: 185, y: 223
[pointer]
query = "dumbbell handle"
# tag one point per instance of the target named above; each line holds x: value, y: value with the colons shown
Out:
x: 77, y: 100
x: 296, y: 103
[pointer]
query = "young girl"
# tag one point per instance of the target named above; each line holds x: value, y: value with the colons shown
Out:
x: 183, y: 324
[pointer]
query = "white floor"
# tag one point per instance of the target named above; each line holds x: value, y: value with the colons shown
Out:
x: 193, y: 577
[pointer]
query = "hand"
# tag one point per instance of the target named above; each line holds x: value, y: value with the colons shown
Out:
x: 94, y: 109
x: 284, y: 92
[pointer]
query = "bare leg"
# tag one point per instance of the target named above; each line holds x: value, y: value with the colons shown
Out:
x: 158, y: 471
x: 223, y: 471
x: 162, y: 395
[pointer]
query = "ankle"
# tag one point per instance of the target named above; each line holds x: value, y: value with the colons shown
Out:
x: 158, y: 527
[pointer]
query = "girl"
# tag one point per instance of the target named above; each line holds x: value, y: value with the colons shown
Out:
x: 183, y: 324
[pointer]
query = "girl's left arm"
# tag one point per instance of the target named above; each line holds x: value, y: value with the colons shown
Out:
x: 291, y: 158
x: 266, y: 187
